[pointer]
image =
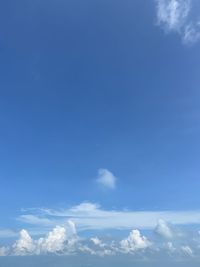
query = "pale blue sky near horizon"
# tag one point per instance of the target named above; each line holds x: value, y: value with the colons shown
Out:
x: 89, y: 85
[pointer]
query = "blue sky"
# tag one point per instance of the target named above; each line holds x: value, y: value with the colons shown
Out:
x: 99, y: 115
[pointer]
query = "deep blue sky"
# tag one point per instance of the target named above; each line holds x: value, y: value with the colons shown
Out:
x: 96, y: 84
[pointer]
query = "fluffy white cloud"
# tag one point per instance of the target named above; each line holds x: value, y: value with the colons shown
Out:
x: 54, y: 242
x: 61, y: 242
x: 174, y: 15
x: 24, y: 245
x: 164, y: 230
x: 106, y: 179
x: 134, y: 241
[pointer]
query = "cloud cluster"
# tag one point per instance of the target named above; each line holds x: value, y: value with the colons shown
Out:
x: 176, y: 16
x: 60, y: 241
x: 57, y: 241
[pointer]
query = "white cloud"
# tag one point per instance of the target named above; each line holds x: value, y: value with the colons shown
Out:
x: 164, y: 230
x: 174, y: 16
x: 106, y: 179
x: 90, y: 216
x: 24, y: 245
x: 135, y: 241
x: 54, y: 242
x: 96, y: 241
x: 61, y: 242
x: 99, y: 247
x: 72, y: 227
x: 35, y: 220
x: 191, y: 33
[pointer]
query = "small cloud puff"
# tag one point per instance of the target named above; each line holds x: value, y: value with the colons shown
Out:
x: 164, y: 230
x: 106, y: 179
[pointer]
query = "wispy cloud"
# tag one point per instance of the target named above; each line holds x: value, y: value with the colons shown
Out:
x: 7, y: 233
x: 90, y: 216
x: 175, y: 16
x: 172, y: 14
x: 191, y: 32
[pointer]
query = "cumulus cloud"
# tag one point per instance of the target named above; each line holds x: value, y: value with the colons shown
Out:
x: 60, y: 241
x: 24, y: 245
x: 106, y: 179
x: 164, y: 230
x: 135, y: 241
x: 54, y: 242
x: 175, y: 16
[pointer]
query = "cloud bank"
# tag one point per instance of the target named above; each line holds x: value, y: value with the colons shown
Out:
x: 62, y: 241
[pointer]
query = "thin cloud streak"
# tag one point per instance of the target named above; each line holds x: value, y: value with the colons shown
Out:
x: 90, y: 216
